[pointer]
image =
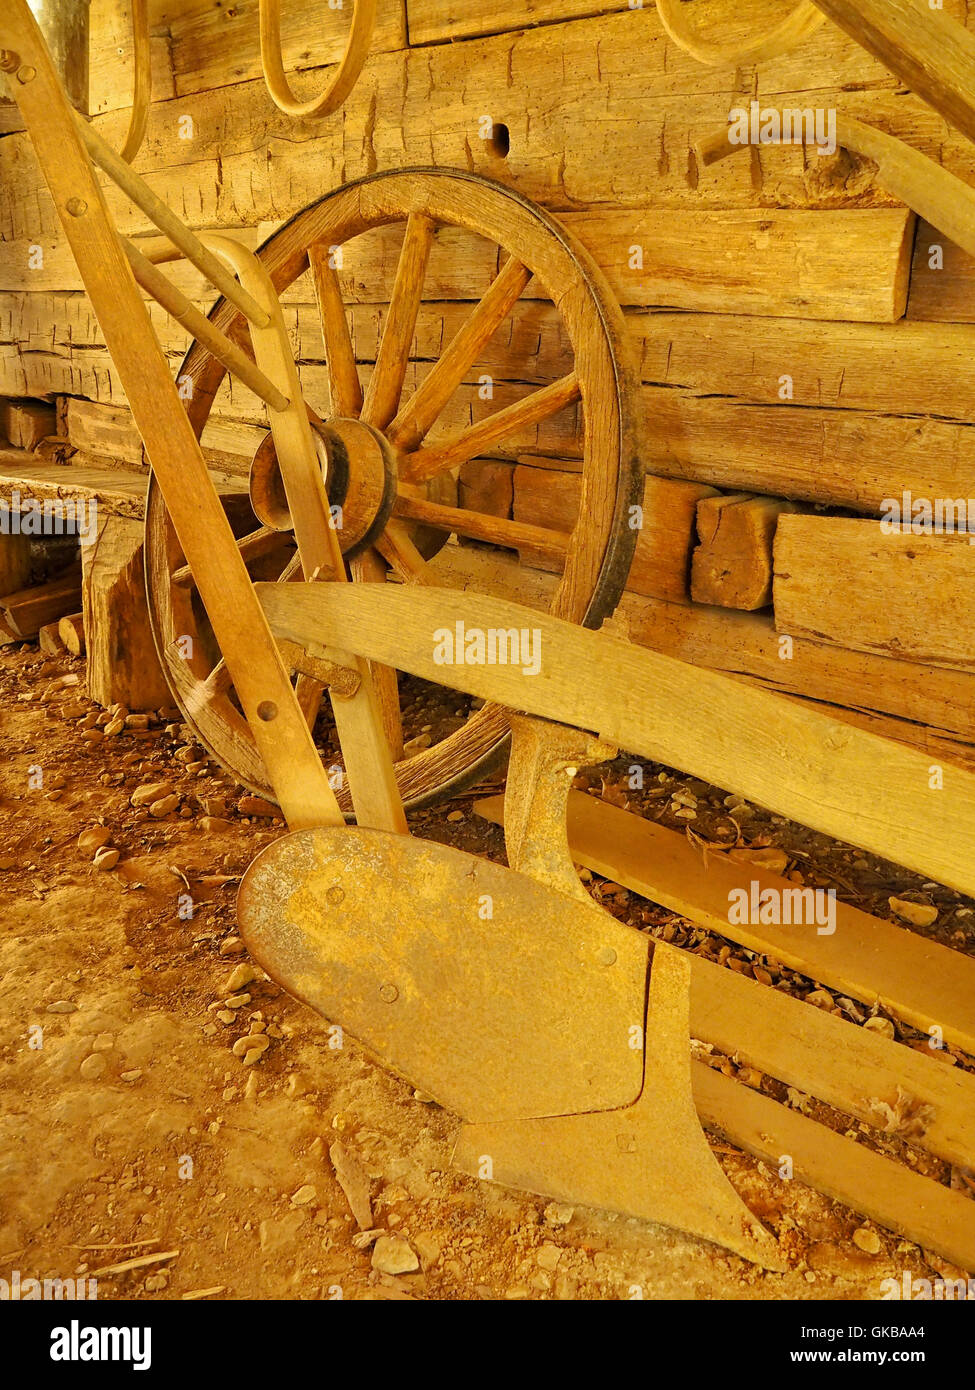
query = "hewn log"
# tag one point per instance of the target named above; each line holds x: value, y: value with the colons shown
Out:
x: 661, y: 562
x: 71, y: 630
x: 849, y: 582
x: 25, y: 423
x: 15, y: 560
x: 122, y: 662
x: 732, y: 562
x: 28, y: 610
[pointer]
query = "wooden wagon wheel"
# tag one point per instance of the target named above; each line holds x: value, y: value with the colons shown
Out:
x: 372, y: 447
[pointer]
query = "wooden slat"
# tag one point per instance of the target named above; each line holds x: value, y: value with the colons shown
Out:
x: 924, y: 1211
x: 942, y: 281
x: 846, y: 581
x: 866, y: 958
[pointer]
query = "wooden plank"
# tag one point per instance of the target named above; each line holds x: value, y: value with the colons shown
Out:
x: 118, y: 491
x: 260, y: 677
x: 28, y: 610
x: 545, y: 497
x: 847, y: 581
x: 803, y: 764
x: 433, y: 21
x: 104, y: 431
x: 888, y: 1192
x: 865, y: 957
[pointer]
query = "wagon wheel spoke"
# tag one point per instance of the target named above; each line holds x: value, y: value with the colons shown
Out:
x: 309, y: 693
x: 368, y: 568
x: 425, y: 406
x: 217, y: 683
x: 254, y: 546
x: 425, y: 464
x: 480, y: 526
x: 291, y: 571
x: 386, y: 385
x: 345, y: 387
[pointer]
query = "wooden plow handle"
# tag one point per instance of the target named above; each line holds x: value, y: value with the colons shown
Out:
x: 356, y: 52
x: 804, y: 20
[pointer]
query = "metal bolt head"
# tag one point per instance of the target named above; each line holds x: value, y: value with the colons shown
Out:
x: 9, y: 60
x: 606, y: 955
x: 335, y: 895
x: 388, y: 994
x: 26, y: 74
x: 77, y: 207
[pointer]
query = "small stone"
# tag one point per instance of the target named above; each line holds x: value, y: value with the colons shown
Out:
x: 880, y: 1025
x: 137, y: 721
x: 114, y: 727
x: 91, y: 735
x: 62, y: 1006
x: 243, y: 975
x: 257, y: 806
x: 252, y: 1055
x: 237, y: 1001
x: 104, y: 1042
x: 209, y: 823
x: 225, y: 1016
x: 776, y: 861
x: 821, y: 998
x: 232, y: 946
x: 866, y: 1240
x: 254, y: 1042
x: 213, y: 806
x: 164, y: 806
x: 133, y: 1075
x: 918, y: 914
x: 416, y: 745
x: 394, y: 1255
x: 190, y: 754
x: 455, y: 815
x: 106, y: 859
x: 150, y: 792
x: 549, y: 1255
x: 559, y: 1213
x: 304, y: 1195
x: 93, y: 1067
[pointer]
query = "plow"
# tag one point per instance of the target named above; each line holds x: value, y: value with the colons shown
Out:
x: 561, y: 1038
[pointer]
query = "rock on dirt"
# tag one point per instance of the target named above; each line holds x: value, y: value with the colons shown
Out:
x: 394, y: 1255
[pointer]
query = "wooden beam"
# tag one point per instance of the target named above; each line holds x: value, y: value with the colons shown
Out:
x: 732, y: 562
x: 801, y: 763
x: 847, y: 581
x: 661, y: 562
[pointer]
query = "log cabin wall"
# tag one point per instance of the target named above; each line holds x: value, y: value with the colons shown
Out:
x: 803, y: 340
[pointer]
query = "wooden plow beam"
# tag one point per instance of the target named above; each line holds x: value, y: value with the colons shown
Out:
x: 833, y: 777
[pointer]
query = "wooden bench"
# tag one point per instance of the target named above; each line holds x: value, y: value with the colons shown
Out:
x: 121, y: 657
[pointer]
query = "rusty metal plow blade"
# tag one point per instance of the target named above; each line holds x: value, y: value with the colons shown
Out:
x: 524, y: 1011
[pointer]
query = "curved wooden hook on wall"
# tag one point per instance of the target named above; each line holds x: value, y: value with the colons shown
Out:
x: 141, y: 82
x: 356, y: 52
x: 804, y: 20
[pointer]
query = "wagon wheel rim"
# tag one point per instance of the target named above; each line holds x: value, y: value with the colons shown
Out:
x: 537, y: 250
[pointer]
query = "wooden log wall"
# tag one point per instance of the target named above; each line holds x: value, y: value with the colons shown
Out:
x: 804, y: 341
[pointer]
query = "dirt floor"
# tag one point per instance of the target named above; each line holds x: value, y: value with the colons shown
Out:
x: 132, y: 1135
